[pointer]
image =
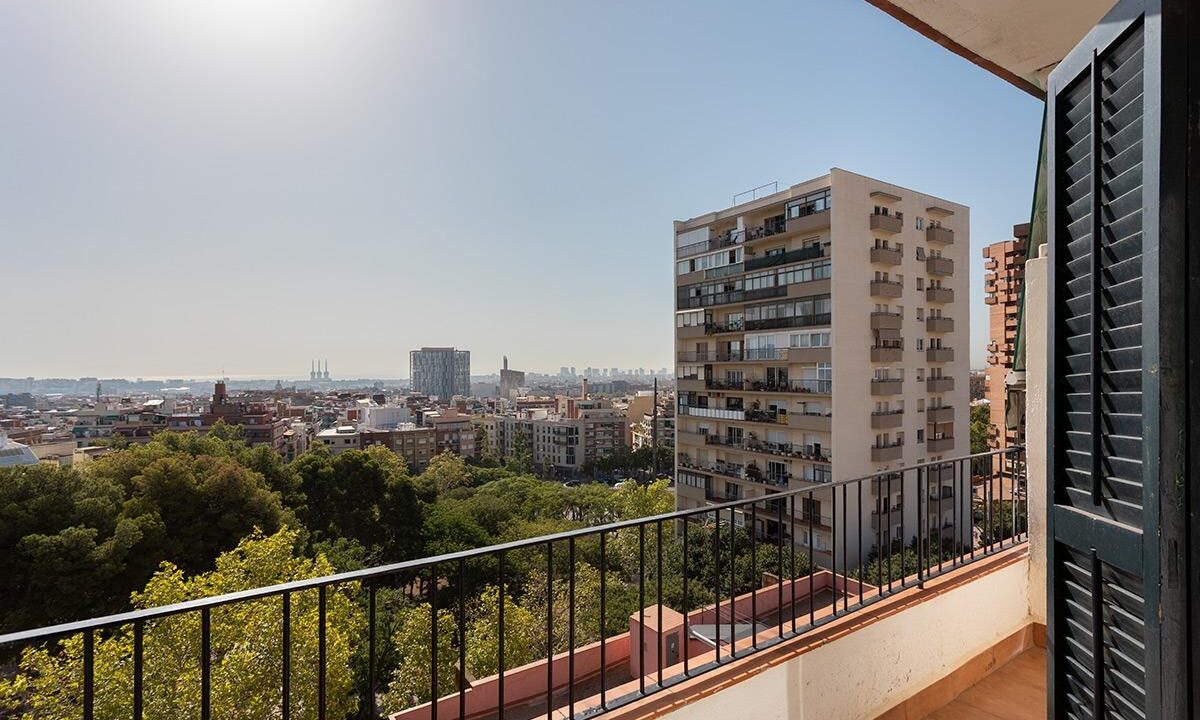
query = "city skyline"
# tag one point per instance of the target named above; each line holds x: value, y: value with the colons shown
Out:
x: 248, y: 217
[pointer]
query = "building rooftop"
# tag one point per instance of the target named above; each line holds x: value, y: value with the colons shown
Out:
x: 14, y: 453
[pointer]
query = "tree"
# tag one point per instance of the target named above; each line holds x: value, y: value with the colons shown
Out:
x: 364, y: 495
x: 412, y: 679
x: 636, y: 501
x: 524, y: 635
x: 520, y: 460
x: 447, y: 471
x: 71, y: 549
x: 246, y: 647
x: 980, y: 424
x: 79, y: 542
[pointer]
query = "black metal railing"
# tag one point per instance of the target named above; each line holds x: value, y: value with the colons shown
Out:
x: 789, y: 322
x: 811, y: 252
x: 814, y: 554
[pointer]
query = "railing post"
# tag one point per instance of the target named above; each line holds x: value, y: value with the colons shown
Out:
x: 922, y: 522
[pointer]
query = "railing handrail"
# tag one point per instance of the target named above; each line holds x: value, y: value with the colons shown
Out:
x: 380, y: 571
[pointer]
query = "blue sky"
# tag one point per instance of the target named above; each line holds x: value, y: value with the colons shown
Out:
x: 247, y: 184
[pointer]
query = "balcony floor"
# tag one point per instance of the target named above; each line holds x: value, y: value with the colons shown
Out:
x: 1014, y: 691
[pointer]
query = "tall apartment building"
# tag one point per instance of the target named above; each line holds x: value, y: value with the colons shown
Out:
x: 441, y: 371
x: 1004, y: 278
x: 821, y: 334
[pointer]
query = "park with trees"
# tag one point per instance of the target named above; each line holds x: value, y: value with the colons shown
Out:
x: 185, y: 516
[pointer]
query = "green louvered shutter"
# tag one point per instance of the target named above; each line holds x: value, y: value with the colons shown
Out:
x: 1109, y: 329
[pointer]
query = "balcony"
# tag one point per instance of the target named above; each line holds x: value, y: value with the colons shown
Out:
x: 886, y: 354
x: 939, y: 445
x: 813, y: 453
x: 821, y: 620
x: 887, y: 420
x: 939, y: 295
x: 809, y: 253
x: 886, y: 256
x: 887, y: 453
x: 714, y: 413
x: 939, y: 324
x: 810, y: 423
x: 789, y: 322
x: 940, y: 266
x: 890, y: 386
x: 941, y: 235
x: 886, y: 223
x: 802, y: 385
x: 939, y: 355
x: 807, y: 223
x: 886, y: 288
x: 941, y: 414
x: 886, y: 321
x: 939, y: 385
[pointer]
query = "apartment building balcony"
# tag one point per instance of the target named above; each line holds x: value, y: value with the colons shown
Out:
x: 690, y: 384
x: 886, y: 353
x: 807, y: 223
x: 939, y: 295
x: 810, y: 423
x: 886, y: 288
x: 886, y: 255
x: 941, y: 414
x: 939, y: 324
x: 887, y: 419
x: 710, y: 356
x: 887, y: 453
x: 802, y: 385
x: 939, y: 445
x: 812, y: 453
x: 792, y: 256
x: 886, y: 320
x: 768, y: 417
x: 939, y: 384
x: 717, y: 328
x: 805, y: 355
x: 886, y: 223
x: 941, y: 235
x: 889, y: 386
x: 793, y: 321
x: 939, y: 354
x: 724, y: 469
x: 710, y: 412
x: 940, y: 266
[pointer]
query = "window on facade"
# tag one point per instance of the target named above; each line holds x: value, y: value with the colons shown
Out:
x: 816, y: 202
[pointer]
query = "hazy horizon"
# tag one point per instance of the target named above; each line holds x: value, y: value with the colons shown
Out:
x: 238, y: 187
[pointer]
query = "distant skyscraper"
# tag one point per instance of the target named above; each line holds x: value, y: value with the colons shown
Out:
x: 510, y: 380
x: 441, y: 371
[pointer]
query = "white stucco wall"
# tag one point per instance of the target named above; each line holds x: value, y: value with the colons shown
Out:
x: 875, y: 668
x: 1036, y: 422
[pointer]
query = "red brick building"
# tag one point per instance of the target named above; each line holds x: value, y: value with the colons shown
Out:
x: 1004, y: 278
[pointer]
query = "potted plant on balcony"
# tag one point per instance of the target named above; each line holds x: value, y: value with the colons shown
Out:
x: 753, y: 473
